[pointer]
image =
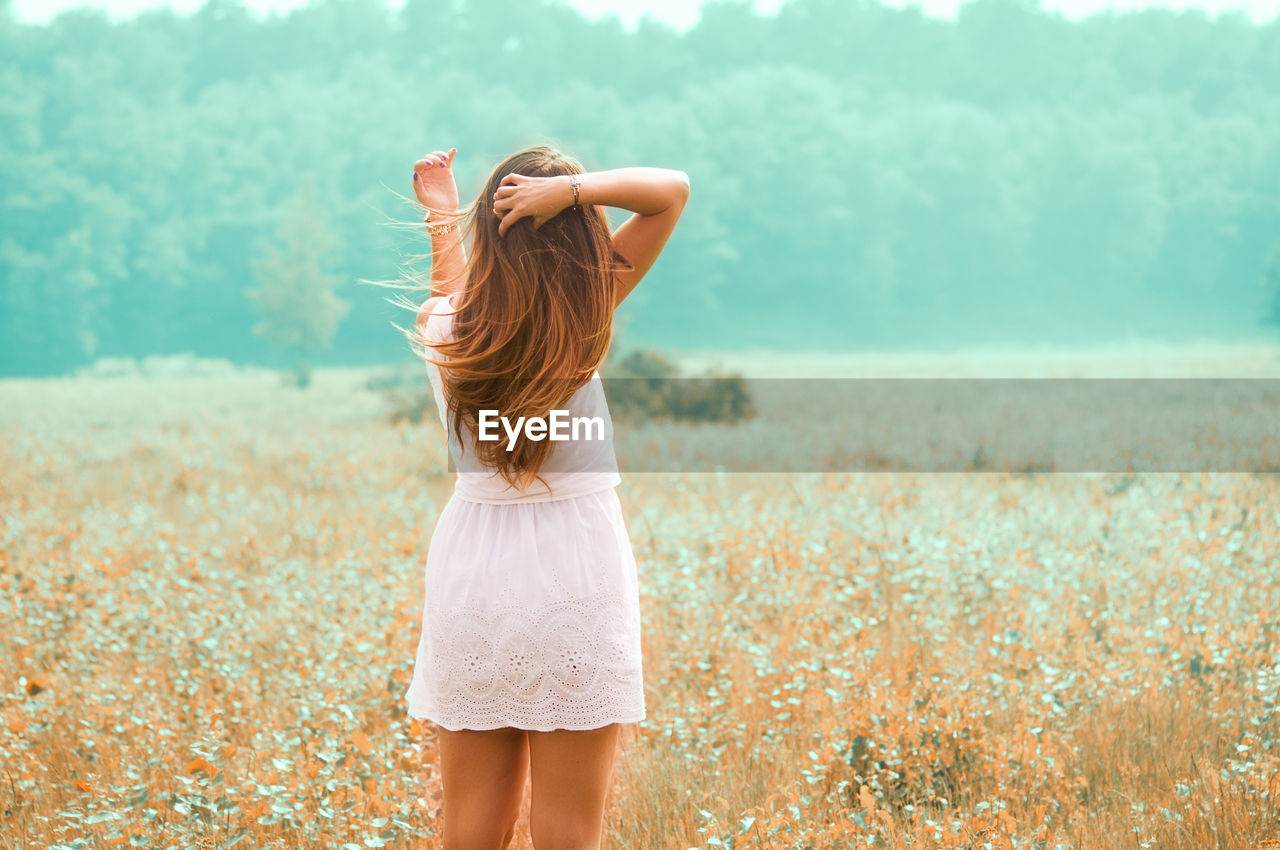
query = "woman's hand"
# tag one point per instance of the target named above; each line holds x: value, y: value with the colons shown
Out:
x: 433, y: 181
x: 542, y: 198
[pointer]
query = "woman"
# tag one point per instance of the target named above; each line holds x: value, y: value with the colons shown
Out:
x: 529, y: 657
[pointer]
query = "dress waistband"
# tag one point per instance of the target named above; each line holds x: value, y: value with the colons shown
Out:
x: 579, y: 484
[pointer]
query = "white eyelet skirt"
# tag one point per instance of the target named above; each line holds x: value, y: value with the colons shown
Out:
x: 531, y: 617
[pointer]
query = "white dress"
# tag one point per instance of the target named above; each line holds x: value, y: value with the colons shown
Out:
x: 531, y: 613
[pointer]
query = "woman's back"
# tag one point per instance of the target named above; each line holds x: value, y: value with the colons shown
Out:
x: 581, y: 459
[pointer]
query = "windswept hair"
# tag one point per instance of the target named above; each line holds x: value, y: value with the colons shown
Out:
x: 534, y: 318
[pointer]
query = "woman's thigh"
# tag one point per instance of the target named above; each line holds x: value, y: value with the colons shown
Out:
x: 483, y: 775
x: 572, y: 773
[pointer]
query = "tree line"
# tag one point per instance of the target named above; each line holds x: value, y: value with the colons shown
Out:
x: 863, y: 176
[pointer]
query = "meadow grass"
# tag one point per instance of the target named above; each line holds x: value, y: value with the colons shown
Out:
x: 213, y: 591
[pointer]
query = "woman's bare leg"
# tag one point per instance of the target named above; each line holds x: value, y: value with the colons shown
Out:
x: 572, y: 772
x: 483, y: 775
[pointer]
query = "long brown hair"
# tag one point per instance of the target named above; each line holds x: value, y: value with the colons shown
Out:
x: 535, y: 316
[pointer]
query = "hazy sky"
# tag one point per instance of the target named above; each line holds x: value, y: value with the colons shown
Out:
x: 680, y: 14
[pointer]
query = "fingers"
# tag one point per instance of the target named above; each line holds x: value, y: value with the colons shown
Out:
x: 437, y: 159
x: 508, y: 217
x: 505, y: 210
x: 505, y: 198
x: 504, y: 201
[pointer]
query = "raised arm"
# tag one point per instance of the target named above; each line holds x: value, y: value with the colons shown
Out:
x: 437, y: 192
x: 657, y: 196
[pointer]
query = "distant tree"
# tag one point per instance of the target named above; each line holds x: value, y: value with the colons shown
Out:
x: 300, y: 312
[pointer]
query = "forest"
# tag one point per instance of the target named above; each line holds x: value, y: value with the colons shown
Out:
x: 863, y: 177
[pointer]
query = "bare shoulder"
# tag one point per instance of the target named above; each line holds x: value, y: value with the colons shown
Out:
x: 437, y: 302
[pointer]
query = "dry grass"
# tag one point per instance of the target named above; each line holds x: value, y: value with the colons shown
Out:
x: 212, y: 590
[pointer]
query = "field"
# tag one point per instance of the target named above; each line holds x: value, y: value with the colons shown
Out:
x: 213, y: 590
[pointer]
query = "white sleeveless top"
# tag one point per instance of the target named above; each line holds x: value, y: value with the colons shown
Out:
x: 574, y: 467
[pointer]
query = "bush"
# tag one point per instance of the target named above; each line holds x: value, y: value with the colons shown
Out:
x: 644, y: 385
